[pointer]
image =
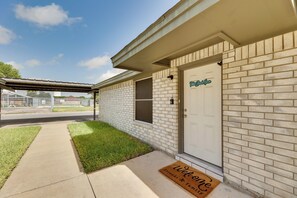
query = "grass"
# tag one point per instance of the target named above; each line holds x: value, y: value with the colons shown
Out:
x: 99, y: 145
x: 13, y: 144
x: 72, y: 109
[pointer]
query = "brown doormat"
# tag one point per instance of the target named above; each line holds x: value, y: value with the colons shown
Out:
x: 194, y: 181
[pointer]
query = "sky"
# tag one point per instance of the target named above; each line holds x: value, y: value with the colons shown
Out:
x: 72, y: 40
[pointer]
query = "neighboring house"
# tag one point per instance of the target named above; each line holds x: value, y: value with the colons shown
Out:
x: 216, y: 87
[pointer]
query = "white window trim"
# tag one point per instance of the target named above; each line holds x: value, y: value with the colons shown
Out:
x: 135, y: 100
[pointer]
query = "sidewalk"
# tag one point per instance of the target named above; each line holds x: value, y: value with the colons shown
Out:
x: 50, y: 168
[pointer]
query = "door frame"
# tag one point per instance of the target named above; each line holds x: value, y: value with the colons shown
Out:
x: 181, y: 69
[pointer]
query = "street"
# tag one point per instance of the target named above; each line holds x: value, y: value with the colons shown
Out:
x: 8, y: 119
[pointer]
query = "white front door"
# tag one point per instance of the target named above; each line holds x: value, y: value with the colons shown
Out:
x: 202, y: 110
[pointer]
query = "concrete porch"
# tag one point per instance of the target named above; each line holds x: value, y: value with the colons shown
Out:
x: 50, y: 168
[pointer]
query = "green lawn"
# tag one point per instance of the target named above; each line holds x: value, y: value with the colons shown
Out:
x: 13, y: 144
x: 99, y: 145
x: 71, y: 109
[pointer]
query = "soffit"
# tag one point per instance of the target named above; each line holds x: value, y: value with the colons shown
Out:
x: 243, y: 22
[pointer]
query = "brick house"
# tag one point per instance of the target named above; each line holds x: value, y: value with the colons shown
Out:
x: 214, y: 84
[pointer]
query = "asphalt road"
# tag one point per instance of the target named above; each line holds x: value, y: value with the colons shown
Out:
x: 25, y: 118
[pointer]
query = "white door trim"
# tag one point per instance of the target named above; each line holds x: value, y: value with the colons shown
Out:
x: 213, y: 67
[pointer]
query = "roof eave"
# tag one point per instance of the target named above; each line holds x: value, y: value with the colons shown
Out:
x: 192, y: 21
x: 45, y: 82
x: 116, y: 79
x: 44, y: 85
x: 165, y: 24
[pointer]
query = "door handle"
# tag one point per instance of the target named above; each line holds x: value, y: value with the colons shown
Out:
x: 185, y: 115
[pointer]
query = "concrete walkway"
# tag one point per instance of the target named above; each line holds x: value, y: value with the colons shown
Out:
x: 140, y: 178
x: 50, y: 168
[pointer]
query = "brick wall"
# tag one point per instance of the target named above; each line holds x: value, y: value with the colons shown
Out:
x: 259, y: 112
x: 260, y: 116
x: 116, y: 107
x: 204, y: 53
x: 165, y: 115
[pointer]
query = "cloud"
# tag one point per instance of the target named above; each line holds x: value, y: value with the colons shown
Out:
x: 109, y: 73
x: 55, y: 59
x: 15, y: 65
x: 44, y: 16
x: 61, y: 55
x: 33, y: 63
x: 96, y: 62
x: 6, y: 36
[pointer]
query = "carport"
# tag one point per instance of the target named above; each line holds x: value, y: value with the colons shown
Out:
x: 46, y: 85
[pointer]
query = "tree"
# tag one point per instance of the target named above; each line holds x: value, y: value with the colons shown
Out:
x: 31, y: 93
x: 8, y: 71
x: 40, y: 94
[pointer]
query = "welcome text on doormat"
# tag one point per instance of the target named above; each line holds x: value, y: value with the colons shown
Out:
x: 194, y: 181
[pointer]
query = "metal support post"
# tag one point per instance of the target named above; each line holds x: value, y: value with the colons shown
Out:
x: 94, y: 106
x: 0, y: 106
x: 52, y: 101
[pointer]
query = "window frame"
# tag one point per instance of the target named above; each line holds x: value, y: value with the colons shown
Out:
x: 140, y: 100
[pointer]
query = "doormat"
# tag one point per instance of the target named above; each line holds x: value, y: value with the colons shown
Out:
x: 194, y: 181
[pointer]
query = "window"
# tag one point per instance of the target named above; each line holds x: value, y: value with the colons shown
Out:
x: 144, y: 100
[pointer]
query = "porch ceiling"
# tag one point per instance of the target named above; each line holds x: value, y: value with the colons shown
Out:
x: 192, y: 26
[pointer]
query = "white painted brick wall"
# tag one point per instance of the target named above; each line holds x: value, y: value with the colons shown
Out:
x: 116, y: 107
x: 259, y: 112
x: 259, y: 108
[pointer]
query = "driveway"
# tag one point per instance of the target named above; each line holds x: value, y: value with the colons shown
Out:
x: 50, y: 168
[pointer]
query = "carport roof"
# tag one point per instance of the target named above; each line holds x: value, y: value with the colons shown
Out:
x: 44, y: 85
